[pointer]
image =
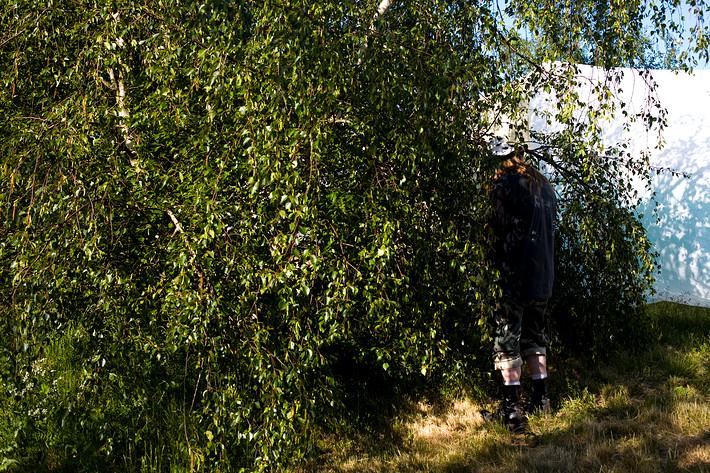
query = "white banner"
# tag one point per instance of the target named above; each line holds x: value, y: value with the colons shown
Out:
x: 680, y: 232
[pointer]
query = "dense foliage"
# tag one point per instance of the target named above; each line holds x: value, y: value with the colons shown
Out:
x: 213, y: 212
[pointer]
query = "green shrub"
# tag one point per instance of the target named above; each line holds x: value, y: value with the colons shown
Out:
x: 212, y: 212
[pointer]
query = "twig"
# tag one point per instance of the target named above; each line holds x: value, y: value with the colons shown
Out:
x: 562, y: 170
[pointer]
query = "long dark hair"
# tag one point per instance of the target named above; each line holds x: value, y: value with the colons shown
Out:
x: 514, y: 163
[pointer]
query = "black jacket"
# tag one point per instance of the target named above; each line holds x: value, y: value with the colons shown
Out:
x: 524, y: 227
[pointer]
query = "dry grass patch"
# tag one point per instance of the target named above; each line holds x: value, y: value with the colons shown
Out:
x: 697, y: 457
x: 608, y: 433
x: 433, y: 438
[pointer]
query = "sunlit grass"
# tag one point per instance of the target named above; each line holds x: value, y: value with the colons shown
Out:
x: 641, y: 413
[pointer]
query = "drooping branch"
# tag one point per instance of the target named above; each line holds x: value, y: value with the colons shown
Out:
x: 562, y: 170
x: 117, y: 84
x: 381, y: 10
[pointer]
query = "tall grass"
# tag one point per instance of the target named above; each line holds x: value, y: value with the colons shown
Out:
x: 54, y: 420
x: 640, y: 412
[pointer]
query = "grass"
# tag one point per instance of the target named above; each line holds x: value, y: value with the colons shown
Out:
x: 642, y: 412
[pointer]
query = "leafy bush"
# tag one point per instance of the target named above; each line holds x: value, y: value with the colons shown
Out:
x: 212, y: 211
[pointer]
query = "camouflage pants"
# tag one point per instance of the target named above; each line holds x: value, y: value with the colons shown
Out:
x: 519, y: 328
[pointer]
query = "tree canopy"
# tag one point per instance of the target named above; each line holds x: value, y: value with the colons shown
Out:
x: 212, y: 211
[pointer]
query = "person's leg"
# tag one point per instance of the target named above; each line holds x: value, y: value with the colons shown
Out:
x: 533, y: 341
x: 505, y: 325
x: 505, y: 332
x: 511, y: 375
x: 538, y: 370
x: 537, y: 364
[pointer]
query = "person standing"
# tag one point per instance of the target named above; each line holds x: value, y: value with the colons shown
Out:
x: 523, y: 223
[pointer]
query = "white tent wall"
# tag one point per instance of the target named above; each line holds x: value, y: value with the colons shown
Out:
x: 680, y: 230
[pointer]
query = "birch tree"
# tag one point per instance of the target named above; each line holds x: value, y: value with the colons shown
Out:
x: 213, y: 211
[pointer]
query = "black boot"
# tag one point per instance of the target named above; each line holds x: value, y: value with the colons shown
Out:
x: 509, y: 412
x: 540, y: 397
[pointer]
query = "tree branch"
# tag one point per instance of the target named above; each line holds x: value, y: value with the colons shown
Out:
x: 381, y: 10
x: 562, y: 170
